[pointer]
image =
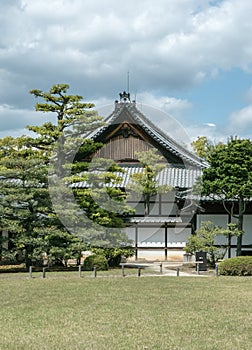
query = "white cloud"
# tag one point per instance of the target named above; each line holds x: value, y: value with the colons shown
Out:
x: 241, y: 121
x: 171, y: 105
x: 211, y: 125
x: 168, y: 47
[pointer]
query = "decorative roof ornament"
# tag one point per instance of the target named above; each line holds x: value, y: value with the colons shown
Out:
x: 124, y: 96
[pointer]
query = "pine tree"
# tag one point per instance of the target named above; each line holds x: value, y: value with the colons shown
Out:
x: 81, y: 210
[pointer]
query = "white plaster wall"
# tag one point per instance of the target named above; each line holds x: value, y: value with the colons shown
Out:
x: 247, y: 225
x: 159, y: 255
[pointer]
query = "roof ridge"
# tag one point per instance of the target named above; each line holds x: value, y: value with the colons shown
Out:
x: 170, y: 139
x: 167, y: 141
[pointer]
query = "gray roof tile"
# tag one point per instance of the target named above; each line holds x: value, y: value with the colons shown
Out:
x: 174, y: 177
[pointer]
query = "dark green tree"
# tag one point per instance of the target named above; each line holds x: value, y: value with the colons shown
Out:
x: 32, y: 202
x: 229, y: 179
x: 82, y: 210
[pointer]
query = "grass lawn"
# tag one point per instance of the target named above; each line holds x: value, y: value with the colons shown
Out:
x: 65, y: 312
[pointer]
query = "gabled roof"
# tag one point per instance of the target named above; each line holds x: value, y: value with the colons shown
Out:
x: 129, y: 110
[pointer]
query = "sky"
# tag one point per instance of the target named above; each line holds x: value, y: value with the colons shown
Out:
x: 191, y: 59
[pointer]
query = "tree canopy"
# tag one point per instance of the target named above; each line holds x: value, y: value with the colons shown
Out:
x: 36, y: 177
x: 229, y: 178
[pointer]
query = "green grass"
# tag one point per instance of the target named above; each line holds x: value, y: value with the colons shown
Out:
x: 65, y: 312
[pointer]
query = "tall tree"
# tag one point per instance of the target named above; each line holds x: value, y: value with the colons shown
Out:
x: 229, y: 178
x: 24, y: 197
x: 66, y: 144
x: 203, y: 147
x: 32, y: 203
x: 145, y: 182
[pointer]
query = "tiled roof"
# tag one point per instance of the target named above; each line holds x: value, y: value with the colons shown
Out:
x: 174, y: 177
x: 155, y: 219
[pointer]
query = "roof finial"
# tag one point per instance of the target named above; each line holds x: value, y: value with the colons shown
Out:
x: 124, y: 96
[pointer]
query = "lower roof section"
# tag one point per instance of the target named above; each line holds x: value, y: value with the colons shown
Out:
x: 173, y: 176
x: 156, y: 220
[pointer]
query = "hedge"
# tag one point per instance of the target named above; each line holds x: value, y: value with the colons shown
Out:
x: 239, y: 266
x: 99, y: 261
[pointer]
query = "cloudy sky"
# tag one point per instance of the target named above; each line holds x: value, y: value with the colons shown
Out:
x: 189, y: 58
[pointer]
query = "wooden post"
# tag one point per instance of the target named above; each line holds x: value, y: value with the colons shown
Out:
x: 95, y: 271
x: 166, y: 242
x: 216, y: 270
x: 44, y: 272
x: 79, y: 271
x: 30, y: 271
x: 177, y: 271
x: 197, y: 268
x: 136, y: 240
x: 161, y: 268
x: 123, y: 274
x: 139, y: 272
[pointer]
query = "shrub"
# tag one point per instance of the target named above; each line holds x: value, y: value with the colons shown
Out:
x: 99, y: 261
x: 114, y: 255
x: 239, y: 266
x: 12, y: 268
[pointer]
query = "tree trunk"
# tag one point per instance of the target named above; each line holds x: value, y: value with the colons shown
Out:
x: 146, y: 205
x: 229, y: 245
x: 240, y: 227
x: 28, y: 261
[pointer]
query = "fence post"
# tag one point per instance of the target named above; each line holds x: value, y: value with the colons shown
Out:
x: 197, y: 268
x: 216, y: 270
x: 161, y: 268
x: 177, y: 271
x: 30, y: 271
x: 123, y: 274
x: 44, y: 272
x: 139, y: 271
x: 79, y: 274
x: 95, y: 271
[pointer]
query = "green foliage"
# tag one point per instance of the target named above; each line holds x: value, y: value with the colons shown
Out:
x: 24, y: 203
x: 31, y: 209
x: 230, y: 171
x: 202, y: 147
x: 99, y: 261
x: 239, y: 266
x: 204, y: 239
x: 62, y: 246
x: 114, y: 255
x: 101, y: 205
x: 229, y: 178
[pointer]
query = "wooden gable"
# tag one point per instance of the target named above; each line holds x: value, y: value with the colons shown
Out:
x: 125, y: 136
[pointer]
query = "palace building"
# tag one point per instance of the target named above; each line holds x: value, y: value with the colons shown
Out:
x: 173, y: 216
x: 162, y: 233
